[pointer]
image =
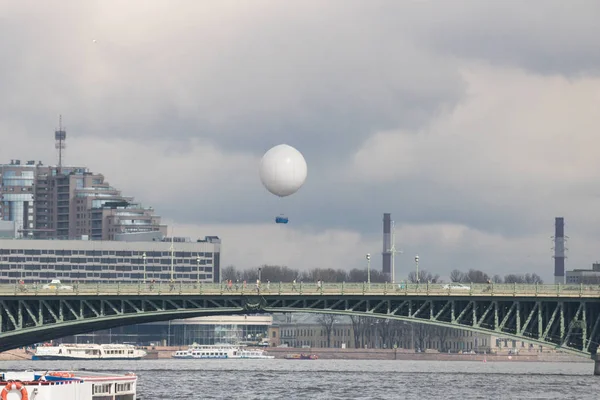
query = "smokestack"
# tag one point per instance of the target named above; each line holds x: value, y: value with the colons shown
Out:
x: 386, y: 266
x: 559, y: 250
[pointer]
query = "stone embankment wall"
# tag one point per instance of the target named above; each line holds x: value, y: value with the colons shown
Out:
x: 394, y: 354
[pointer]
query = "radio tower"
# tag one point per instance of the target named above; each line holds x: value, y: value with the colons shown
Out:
x: 60, y: 136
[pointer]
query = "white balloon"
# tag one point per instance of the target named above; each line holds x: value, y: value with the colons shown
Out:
x: 283, y: 170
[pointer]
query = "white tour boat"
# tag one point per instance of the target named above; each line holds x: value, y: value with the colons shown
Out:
x: 67, y: 385
x: 88, y: 352
x: 221, y: 351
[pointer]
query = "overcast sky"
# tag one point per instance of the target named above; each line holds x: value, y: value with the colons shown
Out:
x: 474, y: 123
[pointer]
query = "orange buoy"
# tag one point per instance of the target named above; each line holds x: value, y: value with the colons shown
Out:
x: 14, y: 385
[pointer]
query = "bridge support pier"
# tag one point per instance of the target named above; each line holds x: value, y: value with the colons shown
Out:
x: 596, y: 358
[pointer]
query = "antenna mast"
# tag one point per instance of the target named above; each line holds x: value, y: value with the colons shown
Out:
x: 60, y: 137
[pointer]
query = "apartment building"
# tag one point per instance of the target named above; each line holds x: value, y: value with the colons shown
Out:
x: 67, y: 202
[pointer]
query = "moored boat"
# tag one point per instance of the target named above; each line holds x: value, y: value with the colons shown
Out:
x: 301, y: 356
x: 223, y: 351
x: 67, y: 385
x: 88, y: 352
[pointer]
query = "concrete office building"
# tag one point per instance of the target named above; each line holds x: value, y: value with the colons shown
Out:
x: 585, y: 276
x: 103, y: 261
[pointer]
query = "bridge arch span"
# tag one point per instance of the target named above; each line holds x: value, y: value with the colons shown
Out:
x: 546, y: 316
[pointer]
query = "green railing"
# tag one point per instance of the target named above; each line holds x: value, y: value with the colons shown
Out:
x: 280, y: 288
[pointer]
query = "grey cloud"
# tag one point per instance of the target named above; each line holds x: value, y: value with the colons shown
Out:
x: 547, y: 36
x: 321, y: 77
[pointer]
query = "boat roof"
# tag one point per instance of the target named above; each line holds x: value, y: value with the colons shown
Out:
x: 30, y: 375
x: 92, y: 345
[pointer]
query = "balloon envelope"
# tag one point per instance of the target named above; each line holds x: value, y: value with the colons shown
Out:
x: 283, y: 170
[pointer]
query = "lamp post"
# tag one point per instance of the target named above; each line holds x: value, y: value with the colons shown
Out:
x: 369, y: 269
x: 417, y: 265
x: 259, y: 274
x: 172, y: 259
x: 198, y: 269
x: 144, y: 260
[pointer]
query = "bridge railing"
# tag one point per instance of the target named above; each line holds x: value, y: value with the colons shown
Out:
x: 287, y: 288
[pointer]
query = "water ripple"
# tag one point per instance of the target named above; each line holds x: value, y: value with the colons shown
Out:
x: 345, y: 379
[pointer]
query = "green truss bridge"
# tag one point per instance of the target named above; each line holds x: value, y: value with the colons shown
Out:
x: 566, y: 317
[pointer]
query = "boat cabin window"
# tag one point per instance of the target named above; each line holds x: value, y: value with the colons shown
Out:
x: 123, y: 387
x: 102, y: 388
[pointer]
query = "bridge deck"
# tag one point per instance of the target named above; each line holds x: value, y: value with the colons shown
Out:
x: 565, y: 316
x: 311, y: 289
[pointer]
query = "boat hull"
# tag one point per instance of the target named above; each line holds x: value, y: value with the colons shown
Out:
x: 83, y: 359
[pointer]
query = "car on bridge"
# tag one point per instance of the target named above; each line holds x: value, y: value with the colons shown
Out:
x: 456, y: 286
x: 56, y: 284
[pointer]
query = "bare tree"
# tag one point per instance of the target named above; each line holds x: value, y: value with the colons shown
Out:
x: 383, y: 328
x: 520, y: 278
x: 424, y: 277
x: 456, y: 276
x: 513, y: 278
x: 249, y: 275
x: 395, y: 332
x: 442, y: 334
x: 497, y: 279
x: 229, y: 272
x: 533, y: 278
x: 476, y: 276
x: 358, y: 329
x: 327, y: 321
x: 357, y: 275
x: 326, y: 275
x: 422, y: 333
x: 277, y: 273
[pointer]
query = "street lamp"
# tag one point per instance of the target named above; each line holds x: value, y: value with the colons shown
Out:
x: 417, y: 265
x: 144, y: 260
x: 198, y: 269
x: 172, y: 260
x: 259, y: 274
x: 368, y: 269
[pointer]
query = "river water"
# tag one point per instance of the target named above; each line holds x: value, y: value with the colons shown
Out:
x: 344, y: 379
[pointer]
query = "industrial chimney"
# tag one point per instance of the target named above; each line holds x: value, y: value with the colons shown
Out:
x: 386, y: 267
x: 559, y: 250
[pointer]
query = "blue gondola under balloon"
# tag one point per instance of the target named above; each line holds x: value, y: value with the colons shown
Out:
x: 281, y: 220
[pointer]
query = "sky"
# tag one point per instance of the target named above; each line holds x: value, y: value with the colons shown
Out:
x: 473, y: 123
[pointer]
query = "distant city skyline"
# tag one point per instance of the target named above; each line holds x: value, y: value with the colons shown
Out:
x: 473, y: 123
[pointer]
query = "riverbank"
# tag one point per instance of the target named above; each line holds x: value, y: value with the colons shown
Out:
x: 164, y: 352
x: 17, y: 354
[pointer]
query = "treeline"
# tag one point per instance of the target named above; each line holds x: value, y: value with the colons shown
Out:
x: 277, y: 273
x: 477, y: 276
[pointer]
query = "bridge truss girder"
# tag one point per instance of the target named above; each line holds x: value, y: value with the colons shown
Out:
x: 571, y: 324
